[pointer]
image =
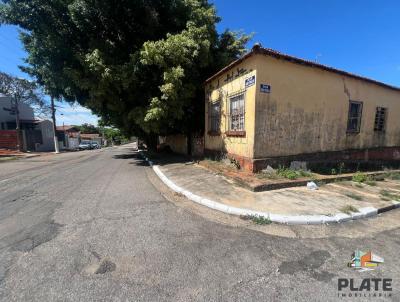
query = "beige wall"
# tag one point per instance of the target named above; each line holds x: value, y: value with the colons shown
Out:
x: 307, y: 110
x: 177, y: 143
x: 222, y: 89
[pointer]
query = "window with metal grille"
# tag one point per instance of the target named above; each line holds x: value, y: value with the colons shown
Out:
x: 236, y: 113
x: 380, y: 118
x: 355, y: 113
x: 215, y: 116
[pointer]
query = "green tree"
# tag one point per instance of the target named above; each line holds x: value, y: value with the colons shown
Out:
x: 139, y: 65
x: 88, y: 128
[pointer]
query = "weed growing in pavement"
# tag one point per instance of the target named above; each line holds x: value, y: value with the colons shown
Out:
x: 292, y: 174
x: 283, y: 172
x: 388, y: 195
x: 392, y: 175
x: 348, y: 209
x: 261, y: 220
x: 360, y: 177
x: 263, y: 175
x: 354, y: 196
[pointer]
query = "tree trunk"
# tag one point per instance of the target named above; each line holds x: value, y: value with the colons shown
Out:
x: 151, y: 141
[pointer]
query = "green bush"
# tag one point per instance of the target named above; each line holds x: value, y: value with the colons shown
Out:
x: 360, y: 177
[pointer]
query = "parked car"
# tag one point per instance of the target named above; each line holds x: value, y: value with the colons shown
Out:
x: 85, y: 145
x: 95, y: 145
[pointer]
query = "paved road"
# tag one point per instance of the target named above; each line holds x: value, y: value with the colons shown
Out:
x: 93, y: 226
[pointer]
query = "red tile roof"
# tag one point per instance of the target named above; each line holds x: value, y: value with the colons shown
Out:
x: 67, y: 128
x: 90, y: 135
x: 273, y: 53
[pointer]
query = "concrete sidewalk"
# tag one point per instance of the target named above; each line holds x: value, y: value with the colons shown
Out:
x: 329, y: 200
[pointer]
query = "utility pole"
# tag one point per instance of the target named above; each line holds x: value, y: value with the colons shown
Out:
x: 53, y: 117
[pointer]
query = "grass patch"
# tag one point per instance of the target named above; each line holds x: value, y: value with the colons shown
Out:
x: 389, y: 195
x: 354, y: 196
x: 8, y: 158
x: 393, y: 175
x: 283, y: 172
x: 360, y: 177
x: 260, y: 220
x: 263, y: 175
x: 348, y: 209
x: 292, y: 174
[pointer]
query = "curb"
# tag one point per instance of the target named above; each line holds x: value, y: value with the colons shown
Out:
x: 278, y: 218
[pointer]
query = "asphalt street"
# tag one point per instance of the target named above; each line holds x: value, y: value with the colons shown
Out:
x: 98, y: 226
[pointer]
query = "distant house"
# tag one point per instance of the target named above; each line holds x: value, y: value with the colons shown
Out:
x: 36, y: 134
x: 92, y: 137
x: 7, y: 117
x: 68, y: 137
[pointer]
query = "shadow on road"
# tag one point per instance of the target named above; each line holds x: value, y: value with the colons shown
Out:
x: 139, y: 161
x: 127, y: 156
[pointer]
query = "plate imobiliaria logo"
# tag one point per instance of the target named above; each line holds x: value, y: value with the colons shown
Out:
x: 367, y: 287
x: 365, y: 261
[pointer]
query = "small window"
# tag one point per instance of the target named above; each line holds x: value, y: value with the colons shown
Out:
x: 237, y: 113
x: 215, y: 116
x: 355, y: 112
x: 380, y: 119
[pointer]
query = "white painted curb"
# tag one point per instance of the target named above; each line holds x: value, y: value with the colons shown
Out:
x: 284, y: 219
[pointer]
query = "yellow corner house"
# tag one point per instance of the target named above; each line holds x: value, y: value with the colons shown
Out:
x: 269, y: 108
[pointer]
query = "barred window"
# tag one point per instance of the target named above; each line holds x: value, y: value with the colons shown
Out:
x: 380, y: 118
x: 236, y: 113
x: 355, y: 113
x: 215, y: 116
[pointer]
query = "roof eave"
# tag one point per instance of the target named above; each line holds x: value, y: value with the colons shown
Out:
x: 259, y: 50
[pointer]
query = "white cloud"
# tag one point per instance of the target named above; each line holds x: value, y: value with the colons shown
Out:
x: 73, y: 109
x: 74, y: 115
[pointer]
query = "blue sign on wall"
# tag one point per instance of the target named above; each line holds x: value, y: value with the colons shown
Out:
x: 265, y: 88
x: 250, y: 81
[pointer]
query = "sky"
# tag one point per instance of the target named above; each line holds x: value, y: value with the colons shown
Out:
x: 362, y: 37
x: 11, y: 56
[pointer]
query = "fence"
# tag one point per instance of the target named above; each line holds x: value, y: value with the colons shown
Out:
x: 8, y: 139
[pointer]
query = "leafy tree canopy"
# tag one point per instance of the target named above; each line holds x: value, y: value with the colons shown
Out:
x: 87, y: 128
x: 109, y: 133
x: 138, y: 64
